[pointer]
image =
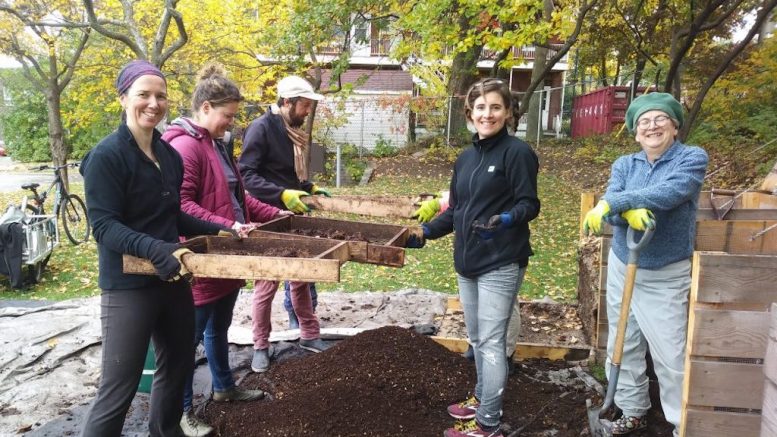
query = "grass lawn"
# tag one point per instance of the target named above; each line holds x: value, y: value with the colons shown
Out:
x: 72, y: 270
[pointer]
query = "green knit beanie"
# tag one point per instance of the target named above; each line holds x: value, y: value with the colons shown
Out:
x: 653, y: 101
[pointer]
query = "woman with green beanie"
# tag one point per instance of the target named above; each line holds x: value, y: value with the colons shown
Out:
x: 657, y: 187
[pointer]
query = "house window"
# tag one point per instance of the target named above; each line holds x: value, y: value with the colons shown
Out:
x: 380, y: 41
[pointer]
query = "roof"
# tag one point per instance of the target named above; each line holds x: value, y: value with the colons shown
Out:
x: 376, y: 80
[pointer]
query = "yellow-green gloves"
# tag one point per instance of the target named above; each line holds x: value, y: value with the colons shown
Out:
x: 427, y: 211
x: 291, y: 198
x: 318, y: 190
x: 592, y: 223
x: 640, y: 218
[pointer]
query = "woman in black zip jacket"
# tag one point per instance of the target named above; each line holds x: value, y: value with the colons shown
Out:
x: 132, y: 181
x: 493, y: 196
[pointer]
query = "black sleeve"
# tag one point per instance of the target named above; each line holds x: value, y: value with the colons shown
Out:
x: 104, y: 179
x: 189, y: 226
x: 256, y: 149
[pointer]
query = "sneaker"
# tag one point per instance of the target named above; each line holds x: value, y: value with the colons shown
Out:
x: 464, y: 410
x: 315, y: 345
x: 261, y: 361
x: 472, y: 428
x: 194, y: 427
x: 628, y: 424
x: 237, y: 394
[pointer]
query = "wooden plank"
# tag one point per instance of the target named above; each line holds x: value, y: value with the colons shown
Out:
x: 727, y: 278
x: 769, y: 409
x: 587, y: 203
x: 606, y: 244
x: 770, y: 357
x: 601, y: 337
x: 225, y: 257
x: 734, y: 334
x: 703, y: 423
x: 525, y: 350
x: 375, y: 206
x: 737, y: 214
x: 725, y: 384
x: 736, y: 237
x: 248, y: 267
x: 454, y: 304
x: 375, y: 233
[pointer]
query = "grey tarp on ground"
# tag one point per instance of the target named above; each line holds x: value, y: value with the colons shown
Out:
x: 50, y: 357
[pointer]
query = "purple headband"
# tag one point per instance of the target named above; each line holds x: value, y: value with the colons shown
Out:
x: 132, y: 71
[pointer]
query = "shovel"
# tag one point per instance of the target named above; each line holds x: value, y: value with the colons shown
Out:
x: 599, y: 426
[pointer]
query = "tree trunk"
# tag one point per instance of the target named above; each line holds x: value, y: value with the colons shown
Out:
x: 537, y: 73
x: 463, y: 74
x: 56, y: 132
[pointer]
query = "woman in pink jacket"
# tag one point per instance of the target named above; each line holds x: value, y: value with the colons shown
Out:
x: 212, y: 190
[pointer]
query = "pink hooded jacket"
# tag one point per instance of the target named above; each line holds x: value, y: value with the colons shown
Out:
x: 205, y: 194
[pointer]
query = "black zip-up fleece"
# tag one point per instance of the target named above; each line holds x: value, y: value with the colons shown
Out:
x: 133, y: 205
x: 495, y: 175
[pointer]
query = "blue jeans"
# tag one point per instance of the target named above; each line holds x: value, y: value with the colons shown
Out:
x: 287, y: 298
x: 212, y: 322
x: 488, y: 302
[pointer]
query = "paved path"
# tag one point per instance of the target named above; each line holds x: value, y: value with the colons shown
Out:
x: 12, y: 176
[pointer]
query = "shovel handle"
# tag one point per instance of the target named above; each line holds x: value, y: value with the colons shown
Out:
x: 628, y: 288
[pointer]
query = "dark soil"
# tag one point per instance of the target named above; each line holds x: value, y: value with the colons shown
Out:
x: 284, y: 252
x: 333, y: 234
x: 391, y: 382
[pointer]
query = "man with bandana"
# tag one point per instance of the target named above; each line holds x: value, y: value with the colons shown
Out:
x: 274, y: 166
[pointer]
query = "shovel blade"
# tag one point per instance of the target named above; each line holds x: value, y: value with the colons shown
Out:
x: 598, y: 427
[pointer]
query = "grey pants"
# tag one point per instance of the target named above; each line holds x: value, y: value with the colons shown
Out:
x: 658, y: 319
x: 163, y: 313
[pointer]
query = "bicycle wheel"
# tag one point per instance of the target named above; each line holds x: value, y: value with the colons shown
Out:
x: 72, y: 212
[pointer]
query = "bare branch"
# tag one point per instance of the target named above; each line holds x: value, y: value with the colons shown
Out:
x: 70, y: 64
x: 98, y: 25
x: 159, y: 40
x: 571, y: 40
x: 735, y: 51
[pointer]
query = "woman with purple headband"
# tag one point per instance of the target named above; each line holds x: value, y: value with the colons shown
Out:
x: 132, y: 180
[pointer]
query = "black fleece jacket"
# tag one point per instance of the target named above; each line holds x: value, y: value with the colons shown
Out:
x: 133, y: 205
x: 267, y: 160
x: 494, y: 176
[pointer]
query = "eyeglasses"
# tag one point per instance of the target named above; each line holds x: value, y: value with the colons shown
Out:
x: 659, y: 121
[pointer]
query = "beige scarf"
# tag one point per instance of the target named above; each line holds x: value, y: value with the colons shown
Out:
x: 299, y: 138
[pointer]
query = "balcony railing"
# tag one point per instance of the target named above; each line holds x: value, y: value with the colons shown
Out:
x: 380, y: 46
x: 527, y: 53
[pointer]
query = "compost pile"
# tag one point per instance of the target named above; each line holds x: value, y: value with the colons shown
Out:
x: 392, y: 381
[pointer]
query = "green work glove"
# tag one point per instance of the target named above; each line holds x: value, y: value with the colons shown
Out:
x: 318, y: 190
x: 640, y: 218
x: 427, y: 211
x: 592, y: 223
x: 291, y: 198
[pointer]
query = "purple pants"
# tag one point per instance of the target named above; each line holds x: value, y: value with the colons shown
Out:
x: 264, y: 292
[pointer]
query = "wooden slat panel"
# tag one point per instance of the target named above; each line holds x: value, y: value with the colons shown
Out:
x: 735, y: 334
x: 586, y: 204
x: 700, y: 423
x: 769, y: 410
x: 726, y: 278
x: 525, y: 350
x: 736, y: 237
x: 770, y: 358
x: 737, y: 214
x: 374, y: 206
x: 606, y: 243
x: 601, y: 337
x: 725, y: 384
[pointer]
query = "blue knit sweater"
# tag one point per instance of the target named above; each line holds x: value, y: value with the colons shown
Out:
x: 669, y: 187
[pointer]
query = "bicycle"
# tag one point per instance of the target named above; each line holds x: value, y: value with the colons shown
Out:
x: 70, y: 209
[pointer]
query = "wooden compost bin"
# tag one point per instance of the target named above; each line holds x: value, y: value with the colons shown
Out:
x: 374, y: 206
x: 728, y: 327
x: 384, y: 245
x: 732, y: 235
x: 524, y: 350
x: 226, y: 257
x: 769, y: 409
